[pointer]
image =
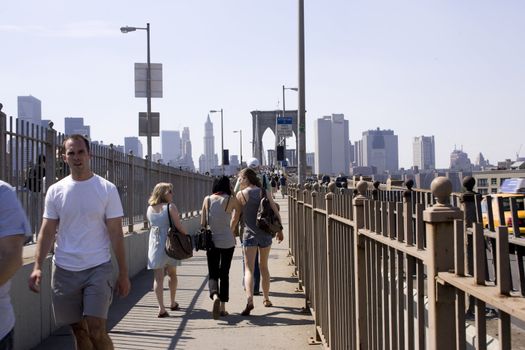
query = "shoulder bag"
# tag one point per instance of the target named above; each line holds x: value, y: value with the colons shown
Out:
x: 178, y: 245
x: 204, y: 239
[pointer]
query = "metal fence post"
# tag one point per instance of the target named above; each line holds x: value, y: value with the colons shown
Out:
x: 439, y: 221
x: 130, y: 191
x: 469, y: 206
x: 52, y: 154
x: 111, y: 168
x: 360, y: 267
x: 329, y: 198
x: 3, y: 143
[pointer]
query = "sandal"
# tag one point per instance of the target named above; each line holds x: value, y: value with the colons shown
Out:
x: 247, y: 309
x: 163, y: 314
x: 175, y: 307
x: 267, y: 303
x: 224, y: 313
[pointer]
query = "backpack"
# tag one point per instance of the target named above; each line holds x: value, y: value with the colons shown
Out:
x: 266, y: 218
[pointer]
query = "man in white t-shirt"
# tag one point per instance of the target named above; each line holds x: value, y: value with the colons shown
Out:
x: 84, y: 213
x: 14, y: 230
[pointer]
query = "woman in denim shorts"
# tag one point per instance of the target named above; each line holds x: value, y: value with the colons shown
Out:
x: 254, y: 238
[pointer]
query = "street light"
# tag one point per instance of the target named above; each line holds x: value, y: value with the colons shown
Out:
x: 240, y: 133
x: 125, y: 30
x: 284, y: 112
x: 128, y: 29
x: 222, y: 138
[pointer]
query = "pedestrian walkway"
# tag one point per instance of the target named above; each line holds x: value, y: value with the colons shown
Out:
x: 133, y: 321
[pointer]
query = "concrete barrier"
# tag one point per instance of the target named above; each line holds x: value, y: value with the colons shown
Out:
x: 34, y: 313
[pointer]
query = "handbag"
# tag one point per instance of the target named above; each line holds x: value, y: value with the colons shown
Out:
x: 267, y: 220
x: 178, y: 245
x: 204, y: 239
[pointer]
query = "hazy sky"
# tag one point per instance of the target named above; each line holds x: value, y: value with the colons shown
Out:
x: 452, y: 69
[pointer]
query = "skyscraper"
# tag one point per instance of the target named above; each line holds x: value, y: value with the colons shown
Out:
x: 170, y: 146
x: 424, y: 152
x: 460, y: 161
x: 76, y: 126
x: 29, y: 113
x: 30, y: 109
x: 379, y: 149
x: 332, y: 151
x: 186, y: 159
x: 132, y: 143
x: 209, y: 160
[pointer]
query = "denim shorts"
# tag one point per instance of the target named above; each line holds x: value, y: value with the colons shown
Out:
x: 259, y: 240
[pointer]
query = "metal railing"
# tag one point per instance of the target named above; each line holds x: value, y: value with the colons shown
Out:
x: 392, y: 272
x: 23, y: 144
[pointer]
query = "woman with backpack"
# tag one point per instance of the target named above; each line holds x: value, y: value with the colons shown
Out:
x: 255, y: 239
x: 220, y: 211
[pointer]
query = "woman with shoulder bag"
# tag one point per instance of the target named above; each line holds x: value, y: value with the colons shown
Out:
x: 160, y: 206
x: 220, y: 211
x: 255, y: 239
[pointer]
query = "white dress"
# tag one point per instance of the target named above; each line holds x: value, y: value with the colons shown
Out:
x: 159, y: 223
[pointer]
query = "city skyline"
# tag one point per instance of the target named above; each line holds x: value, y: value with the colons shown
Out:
x: 414, y: 68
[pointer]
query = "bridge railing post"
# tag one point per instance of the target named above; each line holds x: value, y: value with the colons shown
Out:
x: 439, y: 221
x: 329, y: 198
x: 361, y: 330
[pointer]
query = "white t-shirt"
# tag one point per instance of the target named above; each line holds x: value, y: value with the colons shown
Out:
x: 82, y: 208
x: 13, y: 221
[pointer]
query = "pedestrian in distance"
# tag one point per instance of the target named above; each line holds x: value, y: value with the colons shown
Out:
x: 89, y: 211
x: 254, y: 239
x: 283, y: 185
x: 14, y: 230
x: 223, y: 211
x: 158, y: 260
x: 274, y: 184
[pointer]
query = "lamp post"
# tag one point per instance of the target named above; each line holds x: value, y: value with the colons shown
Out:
x: 301, y: 146
x: 284, y: 112
x: 126, y: 30
x: 222, y: 137
x: 240, y: 144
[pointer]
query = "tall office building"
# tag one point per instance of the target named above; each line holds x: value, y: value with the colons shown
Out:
x: 332, y: 151
x: 186, y: 159
x: 170, y: 146
x: 29, y: 113
x: 460, y: 161
x: 76, y: 126
x: 310, y: 160
x: 378, y: 149
x: 210, y: 159
x: 30, y: 109
x: 424, y: 152
x: 132, y: 143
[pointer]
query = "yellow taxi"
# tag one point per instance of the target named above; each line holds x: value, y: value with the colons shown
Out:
x: 516, y: 187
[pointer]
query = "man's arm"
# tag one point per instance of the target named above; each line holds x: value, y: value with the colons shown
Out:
x: 46, y: 237
x: 116, y: 236
x: 10, y: 256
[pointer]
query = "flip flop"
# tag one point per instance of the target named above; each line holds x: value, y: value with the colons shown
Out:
x: 175, y: 307
x: 163, y: 314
